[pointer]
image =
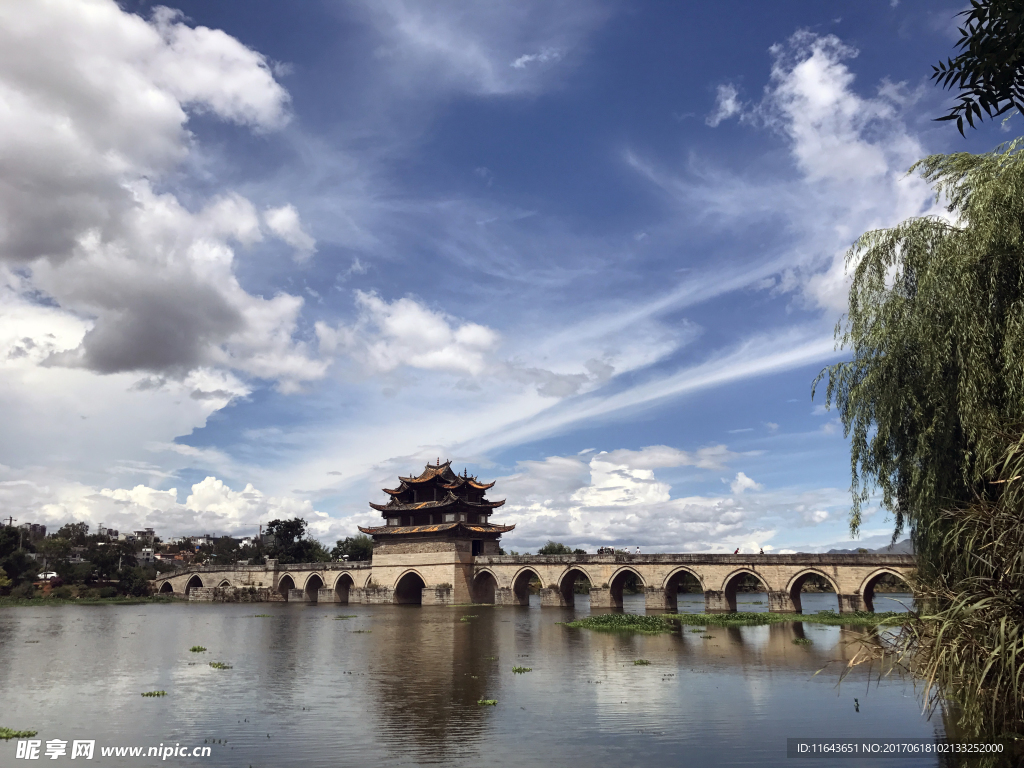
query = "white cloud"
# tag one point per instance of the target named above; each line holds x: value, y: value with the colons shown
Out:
x: 815, y: 516
x: 94, y: 106
x: 404, y: 332
x: 661, y: 456
x: 284, y: 222
x: 598, y: 501
x: 468, y: 46
x: 210, y: 507
x: 743, y: 483
x: 548, y: 54
x: 727, y: 104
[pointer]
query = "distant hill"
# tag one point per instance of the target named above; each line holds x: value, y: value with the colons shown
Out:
x: 905, y: 547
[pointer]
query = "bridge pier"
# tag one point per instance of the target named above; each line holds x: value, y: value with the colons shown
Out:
x: 715, y: 601
x: 781, y: 602
x: 296, y: 594
x: 601, y: 597
x: 508, y: 596
x: 656, y: 599
x: 326, y: 595
x: 552, y: 597
x: 851, y: 603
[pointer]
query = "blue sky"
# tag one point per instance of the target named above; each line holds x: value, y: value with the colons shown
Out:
x: 259, y: 259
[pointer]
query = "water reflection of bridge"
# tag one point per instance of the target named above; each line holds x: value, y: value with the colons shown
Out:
x: 459, y: 577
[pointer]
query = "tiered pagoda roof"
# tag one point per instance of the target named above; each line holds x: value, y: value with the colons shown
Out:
x: 438, y: 500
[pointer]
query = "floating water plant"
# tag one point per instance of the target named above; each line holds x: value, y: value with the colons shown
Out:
x: 801, y: 641
x: 488, y: 702
x: 220, y: 665
x: 522, y: 670
x: 622, y: 622
x: 361, y: 631
x: 707, y: 637
x: 151, y: 694
x: 262, y: 615
x: 197, y: 649
x: 746, y: 619
x: 641, y: 663
x: 467, y: 617
x: 350, y: 616
x: 7, y: 734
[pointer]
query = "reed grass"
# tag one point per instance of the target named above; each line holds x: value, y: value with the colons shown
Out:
x: 967, y: 642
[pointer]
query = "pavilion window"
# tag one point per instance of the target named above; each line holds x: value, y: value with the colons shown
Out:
x: 392, y: 521
x: 449, y: 517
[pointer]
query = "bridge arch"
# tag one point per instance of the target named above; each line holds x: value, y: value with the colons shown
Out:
x: 618, y: 582
x: 166, y: 588
x: 795, y: 585
x: 567, y: 583
x: 312, y: 587
x: 674, y: 580
x: 285, y: 584
x: 867, y: 587
x: 521, y: 584
x: 224, y: 583
x: 485, y: 585
x: 409, y: 589
x: 194, y: 582
x: 342, y: 585
x: 732, y: 582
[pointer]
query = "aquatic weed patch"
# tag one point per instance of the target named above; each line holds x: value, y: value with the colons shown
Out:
x: 488, y: 702
x: 262, y: 615
x: 349, y: 616
x: 641, y: 663
x: 622, y: 622
x: 744, y: 619
x: 197, y: 649
x: 801, y: 641
x: 7, y: 734
x: 468, y: 616
x: 220, y: 665
x: 154, y: 694
x: 522, y: 670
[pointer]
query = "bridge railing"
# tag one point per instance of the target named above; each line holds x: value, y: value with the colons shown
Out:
x: 334, y: 565
x: 701, y: 559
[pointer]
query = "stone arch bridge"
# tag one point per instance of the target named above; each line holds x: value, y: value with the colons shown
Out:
x: 459, y: 577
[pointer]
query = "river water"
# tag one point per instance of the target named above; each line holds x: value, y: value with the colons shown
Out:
x: 399, y: 686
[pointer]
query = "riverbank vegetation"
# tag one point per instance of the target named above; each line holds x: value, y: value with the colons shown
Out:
x: 939, y: 432
x: 932, y: 398
x: 671, y: 622
x: 41, y: 599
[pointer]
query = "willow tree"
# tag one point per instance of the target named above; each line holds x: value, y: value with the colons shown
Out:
x: 932, y: 399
